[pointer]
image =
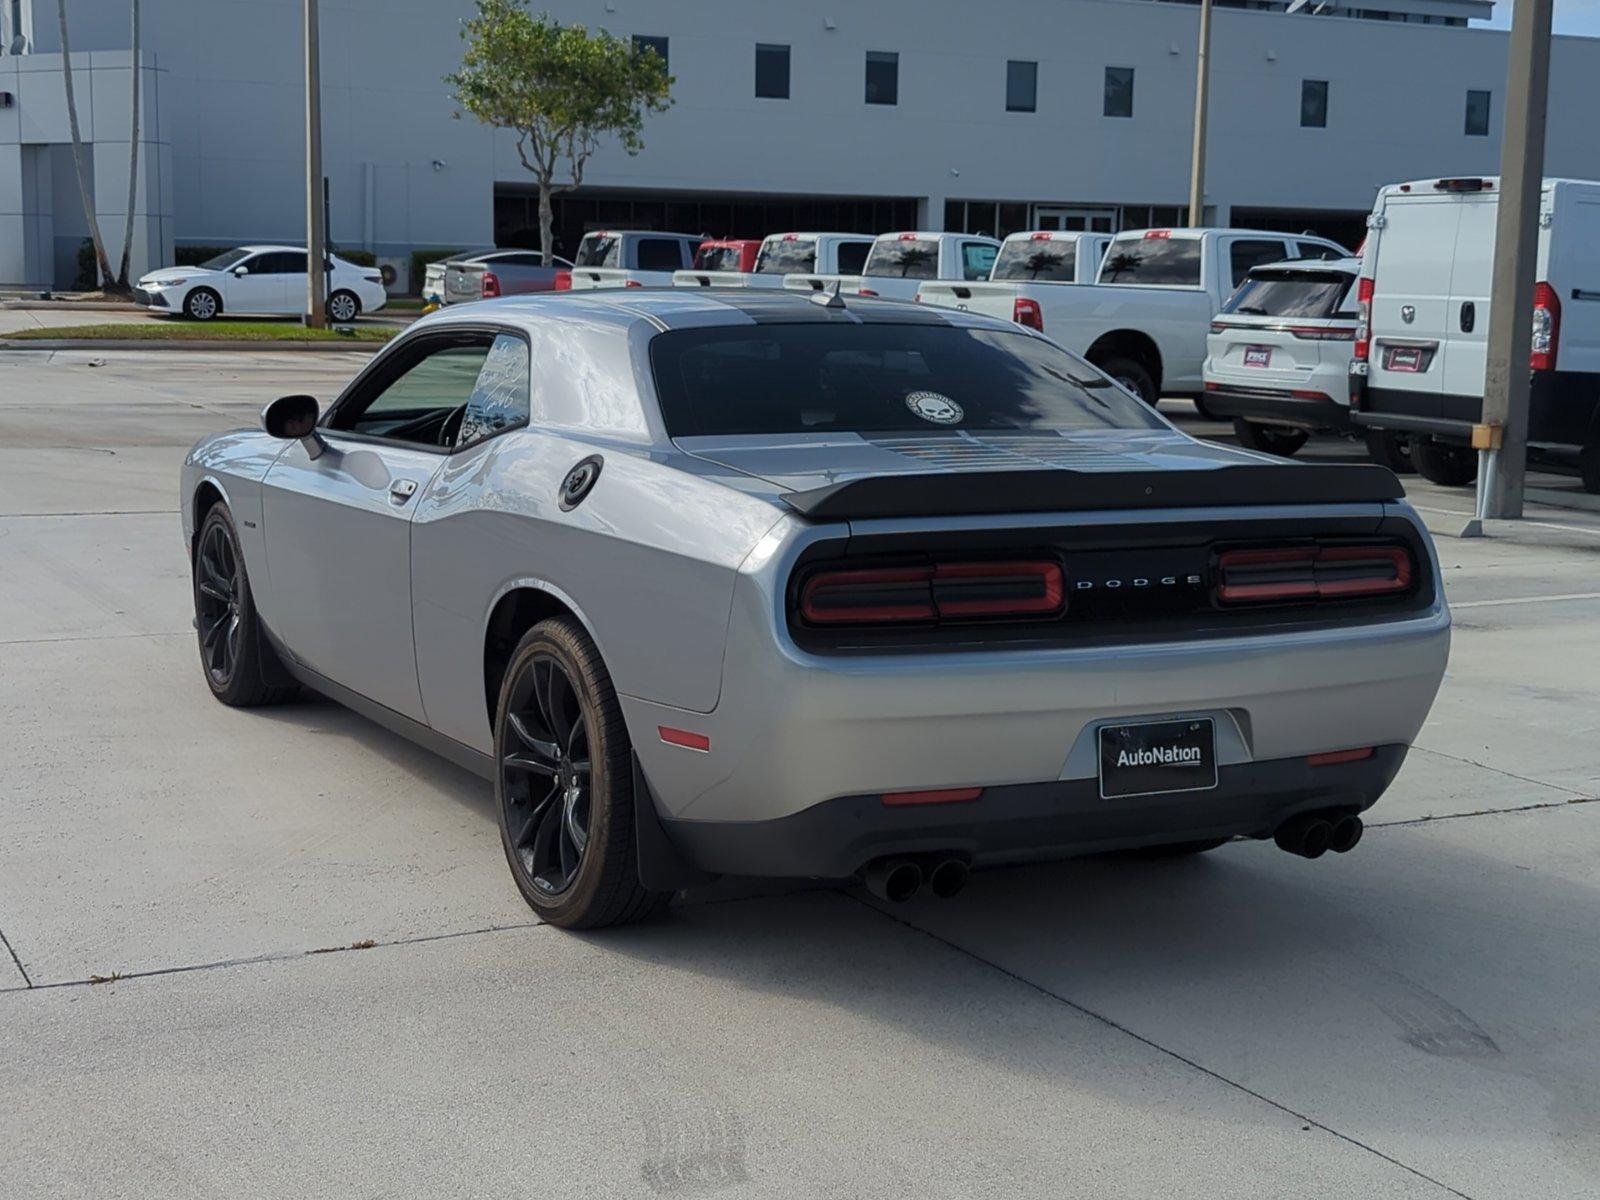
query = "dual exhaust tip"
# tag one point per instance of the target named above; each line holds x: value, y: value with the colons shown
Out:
x: 1311, y: 835
x: 897, y: 879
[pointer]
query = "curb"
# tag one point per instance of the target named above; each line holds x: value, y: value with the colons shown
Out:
x: 72, y: 305
x: 340, y: 347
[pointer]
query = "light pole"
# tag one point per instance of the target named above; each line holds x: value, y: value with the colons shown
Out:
x: 316, y: 235
x: 1503, y: 434
x: 1202, y: 90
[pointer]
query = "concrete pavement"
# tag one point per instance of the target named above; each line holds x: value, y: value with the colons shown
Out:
x: 1418, y: 1018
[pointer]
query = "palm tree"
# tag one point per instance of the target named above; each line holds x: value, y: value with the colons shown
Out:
x: 77, y: 150
x: 133, y: 158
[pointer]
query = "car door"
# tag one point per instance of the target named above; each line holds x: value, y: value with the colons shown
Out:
x: 255, y: 285
x: 337, y: 527
x: 1411, y: 315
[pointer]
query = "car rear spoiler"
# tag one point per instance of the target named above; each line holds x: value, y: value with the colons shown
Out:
x: 934, y: 494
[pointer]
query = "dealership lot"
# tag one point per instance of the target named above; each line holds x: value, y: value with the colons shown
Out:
x: 1418, y: 1018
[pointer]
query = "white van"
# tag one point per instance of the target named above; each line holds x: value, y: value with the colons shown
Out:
x: 1424, y: 301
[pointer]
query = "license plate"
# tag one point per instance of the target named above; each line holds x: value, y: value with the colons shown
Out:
x: 1258, y: 356
x: 1157, y: 757
x: 1403, y: 359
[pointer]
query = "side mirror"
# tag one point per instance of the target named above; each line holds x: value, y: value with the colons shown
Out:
x: 240, y: 272
x: 294, y: 418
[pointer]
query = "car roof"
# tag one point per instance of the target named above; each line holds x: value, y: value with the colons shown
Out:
x: 1344, y: 266
x: 778, y: 237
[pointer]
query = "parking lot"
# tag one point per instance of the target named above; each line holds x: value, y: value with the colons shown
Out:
x: 278, y: 952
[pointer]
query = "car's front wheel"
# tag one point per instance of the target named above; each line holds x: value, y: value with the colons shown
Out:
x: 1282, y: 440
x: 343, y: 306
x: 202, y: 304
x: 234, y: 652
x: 564, y: 783
x: 1443, y: 463
x: 1133, y: 376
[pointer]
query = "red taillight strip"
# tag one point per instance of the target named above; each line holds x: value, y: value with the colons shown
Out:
x: 915, y: 605
x: 1314, y: 582
x: 685, y: 738
x: 934, y: 591
x: 1333, y: 757
x: 940, y: 796
x: 1047, y: 574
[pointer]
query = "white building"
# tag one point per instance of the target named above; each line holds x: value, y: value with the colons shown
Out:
x: 989, y: 117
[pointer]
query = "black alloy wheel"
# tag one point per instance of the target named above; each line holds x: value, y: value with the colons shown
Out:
x: 218, y: 582
x: 546, y: 774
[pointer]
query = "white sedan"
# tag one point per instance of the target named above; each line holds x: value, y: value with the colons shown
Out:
x: 259, y: 279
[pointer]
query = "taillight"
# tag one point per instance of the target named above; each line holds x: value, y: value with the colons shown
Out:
x: 866, y: 291
x: 1027, y: 314
x: 1295, y: 574
x: 491, y: 285
x: 1363, y: 318
x: 1218, y: 327
x: 1321, y: 333
x: 1546, y: 327
x: 931, y: 592
x: 562, y: 282
x: 631, y: 283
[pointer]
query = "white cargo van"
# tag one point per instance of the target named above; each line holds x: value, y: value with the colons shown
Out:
x: 1424, y: 297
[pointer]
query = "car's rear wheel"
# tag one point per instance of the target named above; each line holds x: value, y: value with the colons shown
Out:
x: 1589, y: 467
x: 564, y: 783
x: 1204, y: 409
x: 202, y: 304
x: 1388, y: 450
x: 1132, y: 375
x: 1282, y: 440
x: 1444, y: 464
x: 343, y: 306
x: 234, y: 652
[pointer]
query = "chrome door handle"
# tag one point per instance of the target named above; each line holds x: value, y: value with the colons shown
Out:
x: 402, y: 490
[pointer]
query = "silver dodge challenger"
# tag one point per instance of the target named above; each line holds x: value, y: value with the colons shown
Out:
x: 764, y: 584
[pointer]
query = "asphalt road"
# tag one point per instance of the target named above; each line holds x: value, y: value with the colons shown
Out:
x: 1418, y: 1018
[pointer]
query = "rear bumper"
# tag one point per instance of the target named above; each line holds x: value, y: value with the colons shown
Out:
x: 1032, y: 822
x: 1278, y: 408
x: 1563, y: 411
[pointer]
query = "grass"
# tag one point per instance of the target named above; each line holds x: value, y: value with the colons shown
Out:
x: 405, y: 303
x: 209, y: 331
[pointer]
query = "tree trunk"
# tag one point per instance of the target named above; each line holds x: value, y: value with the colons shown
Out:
x: 77, y: 151
x: 133, y: 158
x: 547, y: 222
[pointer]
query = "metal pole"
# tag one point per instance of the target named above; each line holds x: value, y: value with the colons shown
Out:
x: 1516, y: 247
x: 1202, y: 90
x: 316, y: 314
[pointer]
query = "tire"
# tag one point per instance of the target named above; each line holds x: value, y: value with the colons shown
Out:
x: 1444, y: 464
x: 1589, y: 467
x: 1282, y: 440
x: 1388, y: 450
x: 202, y: 304
x: 234, y: 653
x: 1201, y: 407
x: 1132, y: 375
x: 343, y: 307
x: 557, y: 710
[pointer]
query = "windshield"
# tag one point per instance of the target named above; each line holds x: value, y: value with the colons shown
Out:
x: 1036, y: 258
x: 904, y: 257
x: 225, y: 260
x: 788, y: 256
x: 718, y: 258
x: 1161, y: 261
x: 879, y: 378
x: 599, y: 250
x: 1291, y: 294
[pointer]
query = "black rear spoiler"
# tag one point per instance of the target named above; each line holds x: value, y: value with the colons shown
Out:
x: 932, y: 494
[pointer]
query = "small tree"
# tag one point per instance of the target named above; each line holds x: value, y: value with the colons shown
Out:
x: 77, y: 152
x: 560, y: 89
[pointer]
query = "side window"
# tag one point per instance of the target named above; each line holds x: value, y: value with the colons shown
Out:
x: 418, y: 403
x: 852, y: 257
x: 660, y: 254
x: 499, y: 399
x: 256, y: 264
x: 1318, y: 251
x: 1252, y: 252
x: 524, y: 260
x: 290, y: 263
x: 977, y: 259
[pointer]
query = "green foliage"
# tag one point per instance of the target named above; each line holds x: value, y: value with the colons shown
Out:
x: 559, y: 88
x: 361, y: 258
x: 88, y: 268
x: 419, y: 264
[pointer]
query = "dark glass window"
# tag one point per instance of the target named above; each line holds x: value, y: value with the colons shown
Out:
x: 905, y: 257
x: 718, y: 258
x: 1022, y: 86
x: 883, y: 77
x: 853, y: 257
x: 660, y: 254
x: 788, y: 255
x: 1477, y: 114
x: 1168, y: 261
x: 1037, y: 258
x: 977, y: 260
x: 641, y: 43
x: 1119, y: 92
x: 599, y: 250
x: 1272, y: 293
x: 1313, y: 103
x: 880, y: 377
x: 772, y: 72
x: 1247, y: 253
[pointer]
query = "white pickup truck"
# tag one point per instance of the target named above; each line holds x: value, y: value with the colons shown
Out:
x: 783, y: 254
x: 631, y: 258
x: 1145, y: 319
x: 898, y: 263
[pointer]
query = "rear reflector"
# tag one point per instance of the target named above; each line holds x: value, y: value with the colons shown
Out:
x: 1363, y: 318
x: 1158, y: 233
x: 562, y: 282
x: 1546, y: 328
x: 1039, y: 237
x: 946, y: 796
x: 1026, y: 313
x: 865, y: 292
x: 1308, y: 573
x: 931, y: 592
x: 632, y: 283
x: 491, y: 285
x: 1334, y: 757
x: 684, y: 738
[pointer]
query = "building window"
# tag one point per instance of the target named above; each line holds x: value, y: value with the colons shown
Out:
x: 1313, y: 103
x: 1022, y: 86
x: 1477, y: 114
x: 642, y: 43
x: 1119, y: 92
x: 772, y: 72
x: 883, y: 77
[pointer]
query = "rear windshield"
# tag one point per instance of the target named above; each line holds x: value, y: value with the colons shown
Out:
x: 1044, y: 258
x: 905, y: 258
x: 792, y: 256
x: 878, y: 378
x: 718, y: 258
x: 599, y: 250
x: 1291, y: 294
x: 1169, y: 262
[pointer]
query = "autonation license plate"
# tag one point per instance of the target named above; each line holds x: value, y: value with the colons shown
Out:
x: 1162, y: 756
x: 1258, y: 356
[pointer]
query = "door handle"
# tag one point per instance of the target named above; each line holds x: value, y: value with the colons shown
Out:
x: 402, y: 490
